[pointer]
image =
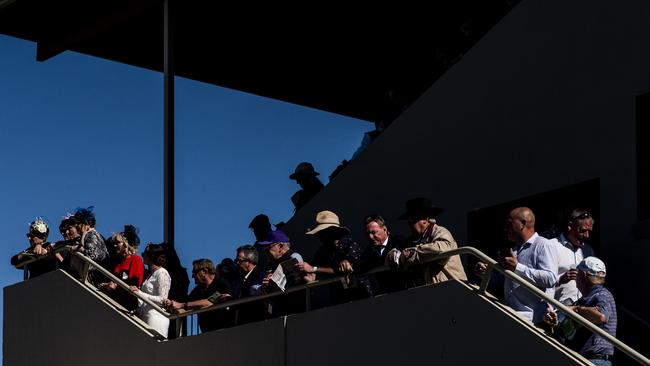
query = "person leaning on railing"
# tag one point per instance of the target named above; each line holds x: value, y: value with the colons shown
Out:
x: 209, y: 290
x: 91, y: 244
x: 38, y: 248
x: 154, y: 288
x: 128, y: 267
x: 251, y: 284
x: 598, y: 306
x: 337, y: 255
x: 380, y: 243
x: 71, y: 239
x: 427, y: 240
x: 282, y: 272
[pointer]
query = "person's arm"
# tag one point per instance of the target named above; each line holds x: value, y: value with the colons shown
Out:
x: 189, y: 305
x: 21, y: 257
x: 308, y: 268
x: 160, y: 291
x: 197, y: 304
x: 443, y: 241
x: 545, y: 275
x: 591, y: 313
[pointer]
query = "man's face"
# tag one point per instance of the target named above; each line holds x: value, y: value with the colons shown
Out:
x: 513, y: 229
x: 302, y: 181
x: 418, y: 224
x: 582, y: 230
x: 274, y: 250
x: 200, y: 276
x: 376, y: 234
x: 242, y: 262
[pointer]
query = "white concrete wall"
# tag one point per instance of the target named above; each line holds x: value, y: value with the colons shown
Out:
x: 544, y: 100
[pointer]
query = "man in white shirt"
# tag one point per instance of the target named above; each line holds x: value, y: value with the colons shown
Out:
x: 577, y: 229
x: 535, y: 259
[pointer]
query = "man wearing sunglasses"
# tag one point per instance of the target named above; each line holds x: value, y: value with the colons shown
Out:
x: 577, y: 228
x: 210, y: 289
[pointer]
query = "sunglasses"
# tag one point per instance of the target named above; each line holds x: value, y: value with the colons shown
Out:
x: 584, y: 215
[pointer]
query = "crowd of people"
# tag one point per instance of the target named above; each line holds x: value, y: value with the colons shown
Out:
x: 564, y: 267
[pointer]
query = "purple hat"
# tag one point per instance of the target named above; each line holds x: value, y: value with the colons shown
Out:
x: 276, y: 236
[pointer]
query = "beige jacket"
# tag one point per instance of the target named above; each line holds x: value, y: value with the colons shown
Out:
x: 440, y: 240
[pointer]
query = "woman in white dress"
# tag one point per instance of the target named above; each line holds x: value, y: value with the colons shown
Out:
x: 155, y: 288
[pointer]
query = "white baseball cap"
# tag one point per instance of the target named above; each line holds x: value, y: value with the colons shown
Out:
x: 593, y: 266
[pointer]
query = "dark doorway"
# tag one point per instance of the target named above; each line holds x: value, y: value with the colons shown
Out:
x: 486, y: 226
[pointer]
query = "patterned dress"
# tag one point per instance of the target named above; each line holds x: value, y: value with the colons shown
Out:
x: 155, y: 288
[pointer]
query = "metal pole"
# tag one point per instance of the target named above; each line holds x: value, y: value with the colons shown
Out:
x: 169, y: 124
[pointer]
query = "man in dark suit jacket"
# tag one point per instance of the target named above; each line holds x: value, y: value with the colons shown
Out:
x: 380, y: 242
x: 251, y: 283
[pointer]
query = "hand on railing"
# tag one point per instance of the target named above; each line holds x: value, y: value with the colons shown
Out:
x: 480, y: 269
x: 345, y: 267
x: 393, y: 258
x: 174, y: 306
x: 108, y: 286
x: 309, y: 277
x: 39, y: 249
x: 305, y: 267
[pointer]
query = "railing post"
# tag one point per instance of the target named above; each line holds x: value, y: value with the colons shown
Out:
x: 25, y: 272
x: 307, y: 298
x: 178, y: 331
x: 84, y: 272
x: 486, y: 278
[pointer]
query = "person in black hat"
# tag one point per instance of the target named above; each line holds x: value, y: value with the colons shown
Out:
x: 261, y: 226
x: 305, y: 176
x: 428, y: 239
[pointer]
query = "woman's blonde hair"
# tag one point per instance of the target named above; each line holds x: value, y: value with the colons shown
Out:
x: 119, y: 238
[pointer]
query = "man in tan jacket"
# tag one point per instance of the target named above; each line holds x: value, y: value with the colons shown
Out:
x: 428, y: 240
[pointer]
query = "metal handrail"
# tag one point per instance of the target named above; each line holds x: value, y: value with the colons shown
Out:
x: 91, y: 263
x: 25, y: 265
x: 117, y: 281
x: 491, y: 265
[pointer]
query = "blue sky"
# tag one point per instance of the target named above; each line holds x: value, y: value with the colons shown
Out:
x: 77, y: 131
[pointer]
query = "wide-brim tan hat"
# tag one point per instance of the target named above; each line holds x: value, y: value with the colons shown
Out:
x: 326, y: 220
